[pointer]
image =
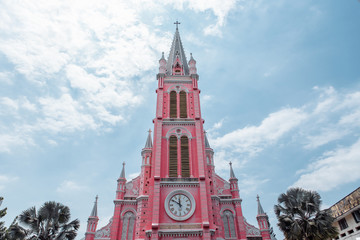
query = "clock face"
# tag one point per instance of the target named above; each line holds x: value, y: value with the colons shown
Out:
x: 180, y: 205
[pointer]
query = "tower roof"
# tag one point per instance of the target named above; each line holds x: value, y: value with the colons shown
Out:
x: 177, y: 50
x: 94, y: 210
x: 260, y: 208
x: 232, y: 174
x: 122, y: 175
x: 207, y: 145
x: 148, y: 143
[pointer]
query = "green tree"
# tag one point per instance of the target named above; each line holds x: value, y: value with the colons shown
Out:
x: 2, y: 223
x: 300, y: 218
x: 50, y: 222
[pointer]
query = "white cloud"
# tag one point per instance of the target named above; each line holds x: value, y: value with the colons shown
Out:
x: 85, y: 62
x: 333, y: 169
x: 252, y: 139
x: 9, y: 141
x: 332, y: 117
x: 5, y: 180
x: 251, y: 184
x: 6, y: 77
x: 69, y: 186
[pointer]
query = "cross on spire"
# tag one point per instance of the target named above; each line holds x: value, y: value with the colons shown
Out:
x: 177, y: 24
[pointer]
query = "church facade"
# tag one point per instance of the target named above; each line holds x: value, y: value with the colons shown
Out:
x: 178, y: 195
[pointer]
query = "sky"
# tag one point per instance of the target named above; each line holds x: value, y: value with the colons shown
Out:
x: 280, y: 95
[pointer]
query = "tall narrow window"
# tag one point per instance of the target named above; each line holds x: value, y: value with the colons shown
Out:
x: 229, y: 225
x: 183, y: 110
x: 185, y: 168
x: 343, y: 224
x: 128, y: 226
x: 173, y: 107
x: 173, y: 156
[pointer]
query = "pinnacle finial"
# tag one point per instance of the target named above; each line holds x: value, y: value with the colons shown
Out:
x: 232, y: 174
x: 94, y: 210
x: 207, y: 144
x: 148, y: 143
x: 260, y: 208
x: 122, y: 175
x: 177, y: 23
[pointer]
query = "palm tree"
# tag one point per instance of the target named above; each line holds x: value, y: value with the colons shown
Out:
x: 300, y: 218
x: 2, y: 224
x: 50, y: 222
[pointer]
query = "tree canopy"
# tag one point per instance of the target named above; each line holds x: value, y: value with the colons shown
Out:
x: 50, y: 222
x: 300, y: 218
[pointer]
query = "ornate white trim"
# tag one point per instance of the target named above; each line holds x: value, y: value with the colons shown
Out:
x: 177, y: 88
x: 179, y: 132
x: 186, y: 193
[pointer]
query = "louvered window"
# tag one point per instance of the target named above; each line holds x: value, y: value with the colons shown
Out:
x: 173, y: 107
x: 128, y: 226
x: 183, y: 110
x: 229, y: 225
x: 173, y: 156
x: 185, y: 168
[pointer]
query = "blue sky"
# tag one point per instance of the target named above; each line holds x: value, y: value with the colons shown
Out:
x: 280, y: 96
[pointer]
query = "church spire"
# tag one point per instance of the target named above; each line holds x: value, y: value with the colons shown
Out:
x: 148, y: 143
x: 94, y: 210
x: 232, y: 174
x: 260, y: 208
x: 177, y: 56
x: 207, y: 145
x: 122, y: 175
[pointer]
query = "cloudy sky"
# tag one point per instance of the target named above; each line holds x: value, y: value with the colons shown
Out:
x: 280, y: 95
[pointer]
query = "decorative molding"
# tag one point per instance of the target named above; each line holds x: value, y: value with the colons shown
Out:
x: 177, y: 88
x: 188, y: 195
x: 179, y: 132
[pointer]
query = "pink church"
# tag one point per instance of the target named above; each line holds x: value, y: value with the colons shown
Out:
x: 178, y: 195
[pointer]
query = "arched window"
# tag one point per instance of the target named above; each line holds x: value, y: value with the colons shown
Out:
x: 173, y: 156
x: 173, y: 107
x: 185, y: 168
x: 128, y: 226
x: 183, y: 110
x: 229, y: 225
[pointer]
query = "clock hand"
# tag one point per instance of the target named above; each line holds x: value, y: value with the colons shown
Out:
x: 175, y: 201
x: 180, y: 202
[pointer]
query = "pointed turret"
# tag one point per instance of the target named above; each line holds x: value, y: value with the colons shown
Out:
x: 94, y: 210
x: 162, y: 63
x: 122, y: 174
x: 207, y: 145
x: 120, y: 192
x: 177, y: 58
x: 148, y: 143
x: 263, y: 221
x: 192, y: 65
x: 260, y: 208
x: 92, y: 222
x: 233, y: 183
x: 232, y: 174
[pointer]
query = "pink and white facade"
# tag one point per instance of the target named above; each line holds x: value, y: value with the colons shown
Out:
x: 178, y: 195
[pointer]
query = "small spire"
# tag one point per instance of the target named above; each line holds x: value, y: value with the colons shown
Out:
x: 207, y: 145
x: 94, y: 210
x: 191, y: 57
x: 177, y: 51
x: 162, y: 56
x: 260, y: 209
x: 148, y: 143
x: 122, y: 175
x: 232, y: 175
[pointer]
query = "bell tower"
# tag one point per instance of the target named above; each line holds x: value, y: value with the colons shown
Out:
x: 177, y: 195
